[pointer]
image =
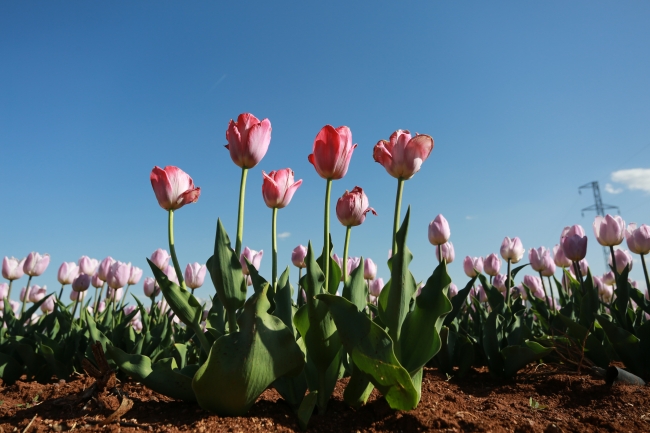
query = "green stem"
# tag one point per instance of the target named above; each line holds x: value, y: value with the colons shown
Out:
x: 299, y: 300
x: 61, y: 292
x: 440, y: 255
x: 326, y: 242
x: 74, y: 309
x: 348, y: 230
x: 11, y: 282
x: 541, y: 277
x: 552, y: 294
x: 98, y: 300
x: 274, y: 243
x: 153, y: 304
x: 508, y: 285
x: 26, y: 297
x: 645, y: 271
x: 576, y: 268
x: 240, y: 215
x: 124, y: 295
x: 172, y: 250
x: 398, y: 205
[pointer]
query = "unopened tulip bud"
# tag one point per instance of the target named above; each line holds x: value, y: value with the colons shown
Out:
x: 104, y: 268
x: 369, y: 269
x: 609, y: 230
x: 623, y: 259
x: 137, y: 325
x: 12, y: 268
x: 36, y: 293
x: 87, y: 265
x: 68, y: 271
x: 609, y: 278
x: 559, y: 258
x: 332, y: 152
x: 81, y: 283
x: 96, y: 281
x: 254, y: 257
x: 195, y: 275
x: 536, y: 258
x: 375, y: 287
x: 448, y: 253
x: 492, y: 265
x: 74, y: 295
x: 160, y: 258
x: 298, y: 256
x: 150, y: 287
x: 248, y: 139
x: 473, y: 266
x: 134, y: 277
x: 452, y: 291
x: 499, y: 282
x: 352, y: 207
x: 512, y: 249
x: 119, y: 274
x: 114, y: 294
x: 439, y: 231
x: 575, y: 247
x: 4, y: 290
x: 573, y: 230
x: 35, y: 264
x: 171, y: 274
x: 549, y: 266
x: 534, y: 284
x: 638, y: 239
x: 48, y: 305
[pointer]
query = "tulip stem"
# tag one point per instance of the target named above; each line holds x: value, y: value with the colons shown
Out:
x: 576, y: 267
x: 552, y: 294
x: 398, y: 205
x: 274, y: 245
x: 299, y: 297
x: 344, y: 263
x: 541, y: 277
x: 153, y: 305
x: 25, y: 297
x: 126, y: 291
x: 240, y: 215
x: 172, y: 250
x: 61, y: 292
x: 645, y: 271
x: 9, y: 289
x: 508, y: 285
x: 611, y: 250
x: 326, y: 244
x: 99, y: 299
x: 440, y: 257
x: 74, y: 310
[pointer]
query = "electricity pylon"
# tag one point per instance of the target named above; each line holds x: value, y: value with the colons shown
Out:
x: 599, y: 207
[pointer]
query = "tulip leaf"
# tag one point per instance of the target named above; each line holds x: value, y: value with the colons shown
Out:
x: 637, y: 296
x: 589, y: 304
x: 335, y: 270
x: 594, y: 348
x: 517, y: 357
x: 355, y: 289
x: 495, y: 298
x: 306, y: 409
x: 95, y: 334
x: 458, y: 301
x: 371, y: 350
x: 10, y: 369
x: 284, y: 309
x: 492, y: 338
x: 627, y: 347
x: 242, y: 364
x: 359, y: 388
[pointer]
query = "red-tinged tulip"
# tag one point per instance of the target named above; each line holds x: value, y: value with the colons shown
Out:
x: 4, y: 290
x: 35, y: 264
x: 298, y: 256
x: 105, y: 268
x: 352, y: 207
x: 332, y: 152
x: 48, y: 306
x: 195, y: 275
x: 499, y: 282
x: 549, y: 266
x: 248, y: 140
x: 96, y: 281
x: 534, y: 284
x: 574, y: 247
x: 87, y: 265
x: 160, y: 258
x: 638, y: 238
x: 254, y: 257
x: 623, y: 259
x: 369, y: 269
x: 439, y: 231
x: 74, y: 296
x: 452, y: 291
x: 402, y: 156
x: 118, y: 276
x: 134, y: 277
x: 68, y: 271
x: 559, y: 258
x: 173, y: 187
x: 12, y: 268
x: 492, y: 265
x: 473, y: 266
x: 151, y: 287
x: 448, y: 252
x: 375, y: 287
x: 512, y: 249
x: 81, y: 283
x: 536, y: 258
x: 609, y: 230
x: 278, y: 188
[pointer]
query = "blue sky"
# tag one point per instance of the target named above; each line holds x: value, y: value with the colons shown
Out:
x: 526, y: 102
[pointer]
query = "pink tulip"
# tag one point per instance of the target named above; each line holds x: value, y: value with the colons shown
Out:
x: 137, y: 325
x: 512, y: 249
x: 375, y: 287
x: 254, y: 257
x: 160, y: 258
x: 248, y: 140
x: 105, y: 268
x: 68, y: 271
x: 352, y: 207
x: 298, y: 256
x: 559, y: 258
x: 96, y: 281
x: 609, y: 230
x: 130, y: 309
x: 81, y: 283
x: 4, y: 290
x: 87, y: 265
x: 473, y: 266
x: 101, y: 307
x: 74, y: 295
x: 583, y: 265
x: 574, y: 247
x: 48, y: 305
x: 534, y: 284
x: 369, y: 269
x: 195, y: 275
x: 492, y: 265
x: 499, y: 282
x: 439, y: 231
x: 478, y: 292
x: 15, y: 306
x: 151, y: 287
x: 452, y: 291
x: 609, y: 278
x: 134, y: 277
x: 536, y: 258
x: 353, y: 263
x: 448, y: 252
x: 623, y: 259
x: 552, y: 303
x: 35, y: 264
x: 278, y: 188
x: 332, y: 152
x: 119, y: 274
x: 402, y: 156
x: 173, y: 187
x: 171, y: 274
x: 605, y: 291
x: 549, y: 266
x: 36, y: 293
x: 638, y: 239
x: 114, y: 294
x: 573, y: 230
x: 12, y: 268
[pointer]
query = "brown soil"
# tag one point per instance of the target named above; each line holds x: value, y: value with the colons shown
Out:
x: 569, y: 403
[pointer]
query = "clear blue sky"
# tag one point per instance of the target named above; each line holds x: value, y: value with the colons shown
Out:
x: 526, y: 101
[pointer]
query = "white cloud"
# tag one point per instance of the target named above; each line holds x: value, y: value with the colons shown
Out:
x: 283, y: 235
x: 469, y: 217
x: 633, y: 178
x: 610, y: 189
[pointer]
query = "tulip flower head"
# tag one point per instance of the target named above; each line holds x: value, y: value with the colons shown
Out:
x: 114, y: 294
x: 574, y: 247
x: 375, y: 287
x: 536, y: 258
x: 48, y: 305
x: 68, y: 271
x: 512, y: 249
x: 473, y: 266
x: 452, y: 291
x: 35, y: 264
x: 170, y: 272
x: 81, y: 283
x: 583, y: 265
x: 12, y: 268
x: 448, y: 252
x: 549, y: 266
x: 298, y: 256
x: 534, y: 284
x: 4, y: 290
x: 609, y: 230
x: 609, y: 278
x: 254, y: 257
x: 87, y: 265
x: 151, y: 287
x: 499, y: 282
x: 623, y: 259
x: 195, y: 275
x: 439, y: 231
x: 638, y: 238
x: 173, y: 187
x: 573, y: 230
x: 160, y: 258
x: 134, y: 277
x: 96, y: 281
x: 118, y: 276
x: 36, y: 293
x: 402, y: 156
x: 105, y: 268
x: 559, y: 258
x: 248, y: 140
x: 352, y: 207
x: 278, y: 188
x: 492, y: 265
x: 332, y: 152
x: 74, y: 295
x: 369, y: 269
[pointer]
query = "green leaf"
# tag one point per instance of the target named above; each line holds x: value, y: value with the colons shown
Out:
x: 10, y: 369
x: 594, y: 348
x: 359, y: 388
x: 589, y: 304
x: 283, y: 304
x: 242, y: 364
x: 371, y: 349
x: 335, y: 271
x: 458, y: 302
x: 355, y: 289
x: 626, y: 345
x: 95, y: 334
x: 492, y: 337
x: 306, y: 409
x: 495, y: 298
x: 517, y: 357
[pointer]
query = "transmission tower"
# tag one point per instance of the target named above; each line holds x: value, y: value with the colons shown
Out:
x: 599, y: 207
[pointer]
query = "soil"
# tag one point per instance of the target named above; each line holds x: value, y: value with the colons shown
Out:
x: 566, y: 402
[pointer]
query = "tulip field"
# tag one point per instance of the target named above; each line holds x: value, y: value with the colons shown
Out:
x: 329, y: 324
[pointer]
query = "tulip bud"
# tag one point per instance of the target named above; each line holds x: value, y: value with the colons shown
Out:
x: 137, y: 325
x: 12, y: 268
x: 583, y: 265
x: 36, y: 293
x: 278, y: 188
x: 375, y: 287
x: 74, y: 295
x: 534, y: 284
x: 402, y: 156
x: 549, y: 265
x: 609, y: 278
x: 448, y: 252
x: 332, y: 152
x: 439, y: 231
x: 104, y: 268
x: 254, y: 257
x: 160, y: 258
x: 134, y: 277
x: 151, y: 287
x: 81, y: 283
x: 575, y: 247
x: 352, y: 207
x: 4, y: 290
x: 536, y: 258
x: 512, y: 249
x: 560, y: 258
x: 96, y: 281
x: 369, y: 269
x: 638, y: 239
x: 473, y: 266
x: 171, y: 274
x: 492, y: 265
x: 87, y: 265
x: 195, y: 275
x: 452, y: 291
x: 102, y: 306
x: 609, y: 230
x: 114, y: 294
x: 173, y: 187
x: 353, y: 263
x: 118, y: 275
x: 48, y: 305
x: 623, y: 259
x: 499, y: 282
x: 573, y: 230
x: 35, y: 264
x: 298, y: 256
x: 248, y: 140
x: 68, y: 271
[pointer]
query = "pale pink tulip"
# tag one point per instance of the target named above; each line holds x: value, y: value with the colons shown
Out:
x: 332, y: 152
x: 609, y: 230
x: 87, y: 265
x: 609, y: 278
x: 352, y: 207
x: 638, y: 239
x: 536, y: 258
x: 137, y: 325
x: 151, y: 287
x: 81, y: 283
x: 573, y: 230
x: 173, y: 187
x: 439, y: 231
x: 248, y: 140
x: 583, y: 265
x: 278, y: 188
x: 473, y: 266
x: 170, y: 271
x: 48, y: 305
x: 35, y: 264
x: 298, y: 256
x: 534, y: 284
x: 369, y: 269
x: 118, y: 276
x: 105, y: 268
x: 96, y: 281
x: 448, y: 252
x: 4, y: 290
x: 12, y: 268
x: 114, y: 294
x: 134, y: 277
x: 36, y: 293
x: 492, y: 265
x: 499, y: 282
x: 402, y: 156
x: 254, y: 257
x: 574, y: 247
x: 512, y: 249
x: 68, y: 271
x: 195, y: 275
x: 623, y: 259
x: 559, y: 258
x: 549, y: 266
x: 375, y: 287
x: 452, y: 291
x: 77, y: 295
x: 160, y: 258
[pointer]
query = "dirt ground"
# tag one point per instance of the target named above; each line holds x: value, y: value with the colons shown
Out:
x: 563, y: 402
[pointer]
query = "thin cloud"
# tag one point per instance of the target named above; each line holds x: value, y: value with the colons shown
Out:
x: 283, y: 235
x: 634, y: 178
x: 214, y: 86
x: 469, y: 217
x: 610, y: 189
